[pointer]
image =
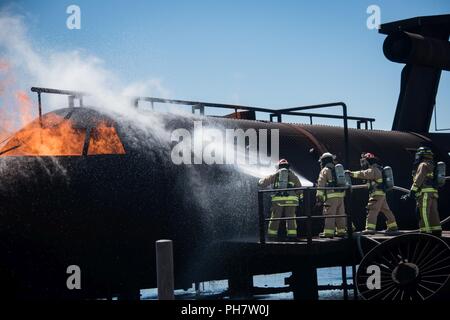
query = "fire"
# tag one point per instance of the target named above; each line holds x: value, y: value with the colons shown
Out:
x: 53, y: 135
x: 25, y: 107
x: 16, y: 108
x: 104, y: 140
x: 34, y: 140
x: 58, y: 136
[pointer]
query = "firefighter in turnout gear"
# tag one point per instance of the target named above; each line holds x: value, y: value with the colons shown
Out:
x: 332, y: 200
x: 372, y: 172
x: 283, y: 203
x: 424, y: 190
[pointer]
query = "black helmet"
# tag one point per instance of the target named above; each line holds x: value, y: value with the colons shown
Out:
x: 424, y: 153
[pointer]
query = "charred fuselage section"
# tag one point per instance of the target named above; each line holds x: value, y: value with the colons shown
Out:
x: 103, y: 212
x: 83, y: 187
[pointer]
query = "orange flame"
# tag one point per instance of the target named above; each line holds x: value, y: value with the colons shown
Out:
x: 11, y: 101
x: 61, y: 139
x: 25, y: 107
x: 104, y: 140
x: 58, y: 137
x: 53, y: 136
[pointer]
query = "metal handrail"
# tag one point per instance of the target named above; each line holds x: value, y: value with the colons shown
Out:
x: 70, y: 93
x: 361, y: 186
x: 303, y: 218
x: 200, y: 105
x: 308, y: 217
x: 302, y: 188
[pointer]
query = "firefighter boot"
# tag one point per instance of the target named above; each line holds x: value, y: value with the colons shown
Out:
x: 368, y: 231
x: 392, y: 228
x: 327, y: 234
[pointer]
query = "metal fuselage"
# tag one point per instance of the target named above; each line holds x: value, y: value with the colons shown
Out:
x: 104, y: 212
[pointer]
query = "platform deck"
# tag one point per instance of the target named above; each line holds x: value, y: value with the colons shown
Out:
x: 321, y: 252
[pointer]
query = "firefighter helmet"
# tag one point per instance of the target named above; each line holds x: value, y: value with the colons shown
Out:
x: 368, y: 155
x: 283, y: 163
x: 424, y: 153
x: 326, y: 158
x: 367, y: 159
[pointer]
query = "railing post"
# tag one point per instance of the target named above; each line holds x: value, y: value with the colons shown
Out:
x: 164, y: 269
x: 262, y: 223
x: 40, y: 105
x: 348, y: 213
x: 355, y: 287
x: 40, y: 108
x: 344, y: 281
x: 71, y: 101
x: 350, y: 239
x: 346, y: 143
x: 307, y: 207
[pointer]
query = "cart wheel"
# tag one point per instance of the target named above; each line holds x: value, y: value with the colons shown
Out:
x: 410, y: 267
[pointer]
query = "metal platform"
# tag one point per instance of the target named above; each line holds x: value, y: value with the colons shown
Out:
x: 379, y: 236
x: 302, y: 258
x: 318, y: 246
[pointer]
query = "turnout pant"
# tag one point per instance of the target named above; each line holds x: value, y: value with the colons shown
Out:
x: 279, y: 211
x: 428, y: 209
x: 334, y: 206
x: 374, y: 206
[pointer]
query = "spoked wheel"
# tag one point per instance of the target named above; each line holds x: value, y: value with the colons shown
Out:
x: 410, y: 267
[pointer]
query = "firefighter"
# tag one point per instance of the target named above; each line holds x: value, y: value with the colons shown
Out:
x: 283, y: 203
x: 372, y: 172
x: 332, y: 200
x: 424, y: 190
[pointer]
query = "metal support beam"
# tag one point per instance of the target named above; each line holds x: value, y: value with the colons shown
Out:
x: 40, y: 108
x: 71, y: 101
x: 304, y: 282
x: 240, y: 282
x: 164, y: 269
x: 275, y: 115
x: 344, y: 282
x: 307, y: 208
x: 196, y: 107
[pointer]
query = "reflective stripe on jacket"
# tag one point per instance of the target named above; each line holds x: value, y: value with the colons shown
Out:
x: 326, y: 179
x: 289, y: 199
x: 424, y: 178
x: 374, y: 176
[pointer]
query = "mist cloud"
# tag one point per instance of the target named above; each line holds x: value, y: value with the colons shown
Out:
x: 23, y: 66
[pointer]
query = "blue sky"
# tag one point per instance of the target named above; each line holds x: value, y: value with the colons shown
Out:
x: 262, y: 53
